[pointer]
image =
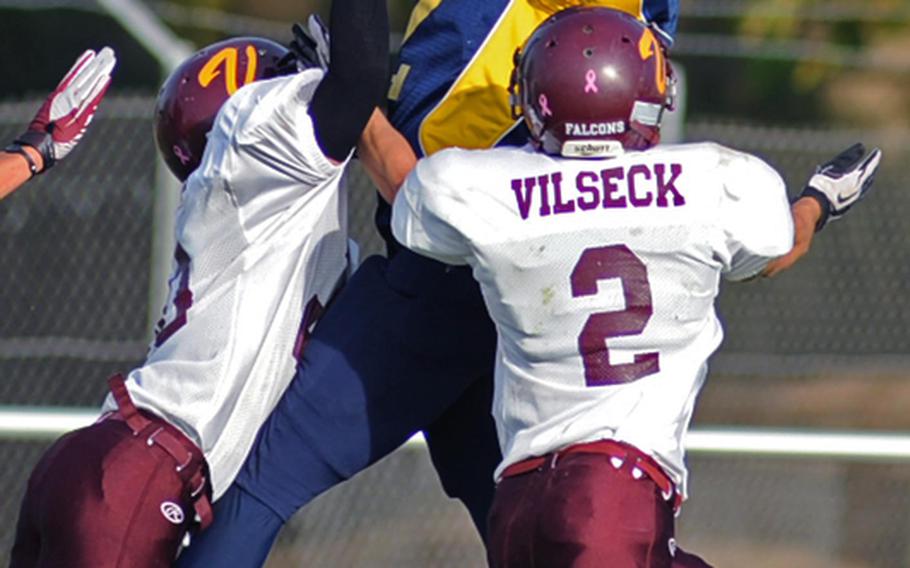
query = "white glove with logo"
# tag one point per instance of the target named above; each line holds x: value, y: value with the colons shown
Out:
x: 62, y: 119
x: 842, y: 181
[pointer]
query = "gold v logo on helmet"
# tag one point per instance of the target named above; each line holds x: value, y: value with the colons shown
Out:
x: 648, y: 47
x: 195, y: 91
x: 229, y: 59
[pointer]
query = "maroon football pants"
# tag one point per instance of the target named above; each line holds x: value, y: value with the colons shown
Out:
x: 581, y: 511
x: 107, y: 496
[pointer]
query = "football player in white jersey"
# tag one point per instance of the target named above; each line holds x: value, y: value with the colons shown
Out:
x: 60, y: 122
x: 599, y: 255
x: 261, y: 248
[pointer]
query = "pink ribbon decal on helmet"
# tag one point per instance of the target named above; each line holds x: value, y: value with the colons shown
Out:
x: 181, y: 155
x: 591, y: 85
x: 544, y: 105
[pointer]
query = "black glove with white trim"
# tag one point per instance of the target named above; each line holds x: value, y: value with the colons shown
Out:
x: 311, y: 44
x: 309, y: 49
x: 842, y: 181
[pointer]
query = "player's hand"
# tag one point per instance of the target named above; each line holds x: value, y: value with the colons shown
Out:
x: 62, y: 119
x: 310, y: 45
x: 842, y: 181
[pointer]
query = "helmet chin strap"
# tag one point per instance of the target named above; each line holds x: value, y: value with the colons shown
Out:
x: 644, y: 123
x: 641, y: 138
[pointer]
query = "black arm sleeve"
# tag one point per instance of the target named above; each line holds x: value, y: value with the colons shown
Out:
x: 357, y: 77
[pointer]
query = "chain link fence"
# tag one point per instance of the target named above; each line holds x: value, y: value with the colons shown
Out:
x: 826, y: 345
x: 76, y: 245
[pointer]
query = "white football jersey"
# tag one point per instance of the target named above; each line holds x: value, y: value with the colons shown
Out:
x: 600, y: 276
x: 262, y: 238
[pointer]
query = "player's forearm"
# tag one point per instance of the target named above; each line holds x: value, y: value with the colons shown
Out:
x: 357, y: 77
x: 386, y: 155
x: 806, y: 213
x: 834, y: 188
x: 16, y: 170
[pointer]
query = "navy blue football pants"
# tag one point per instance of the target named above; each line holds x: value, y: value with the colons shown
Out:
x: 407, y: 345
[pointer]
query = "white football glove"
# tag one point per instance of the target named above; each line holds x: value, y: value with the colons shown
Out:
x: 842, y: 181
x: 66, y: 113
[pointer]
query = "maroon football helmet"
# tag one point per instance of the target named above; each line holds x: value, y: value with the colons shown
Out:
x: 592, y: 81
x: 191, y: 97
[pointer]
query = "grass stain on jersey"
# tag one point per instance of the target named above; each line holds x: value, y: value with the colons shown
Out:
x: 548, y: 294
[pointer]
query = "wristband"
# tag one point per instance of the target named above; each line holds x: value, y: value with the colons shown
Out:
x: 823, y: 201
x: 41, y: 141
x: 16, y: 148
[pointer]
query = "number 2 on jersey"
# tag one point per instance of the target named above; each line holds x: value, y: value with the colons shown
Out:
x: 602, y: 263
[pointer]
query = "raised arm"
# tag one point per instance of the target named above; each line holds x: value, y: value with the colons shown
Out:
x: 806, y: 213
x: 60, y: 122
x: 834, y: 188
x: 357, y: 74
x: 386, y: 155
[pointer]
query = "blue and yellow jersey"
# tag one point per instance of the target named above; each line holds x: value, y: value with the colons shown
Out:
x: 451, y: 86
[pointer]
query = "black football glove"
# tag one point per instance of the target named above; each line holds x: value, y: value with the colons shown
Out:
x: 842, y: 181
x: 310, y: 46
